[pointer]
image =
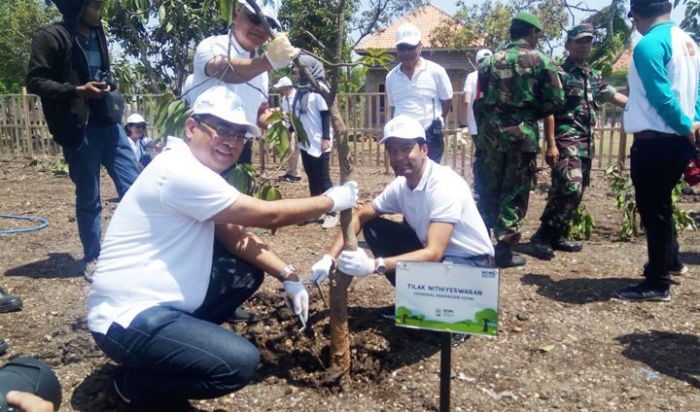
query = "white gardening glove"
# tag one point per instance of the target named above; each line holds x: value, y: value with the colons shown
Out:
x: 321, y: 269
x: 280, y: 51
x: 297, y: 298
x: 355, y: 263
x: 465, y: 130
x: 343, y: 197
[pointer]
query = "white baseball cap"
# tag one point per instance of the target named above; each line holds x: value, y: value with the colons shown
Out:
x: 223, y: 103
x: 483, y: 54
x: 135, y: 118
x: 283, y: 82
x: 269, y: 8
x: 403, y: 127
x: 408, y: 34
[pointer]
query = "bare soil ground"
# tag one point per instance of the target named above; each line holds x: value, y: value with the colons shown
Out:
x: 564, y: 344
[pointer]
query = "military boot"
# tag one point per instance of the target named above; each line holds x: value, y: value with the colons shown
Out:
x: 541, y: 243
x: 562, y: 243
x: 9, y: 303
x: 505, y: 258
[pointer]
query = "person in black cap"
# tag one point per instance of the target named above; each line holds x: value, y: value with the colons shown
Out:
x: 69, y: 69
x: 662, y: 113
x: 30, y: 385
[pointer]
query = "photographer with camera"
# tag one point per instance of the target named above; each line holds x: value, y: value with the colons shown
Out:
x: 69, y: 69
x: 419, y: 88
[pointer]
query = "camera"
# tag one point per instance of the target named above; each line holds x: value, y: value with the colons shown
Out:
x: 30, y: 375
x: 103, y: 76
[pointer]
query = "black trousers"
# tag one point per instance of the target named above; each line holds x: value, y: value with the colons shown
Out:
x: 318, y: 172
x: 657, y: 164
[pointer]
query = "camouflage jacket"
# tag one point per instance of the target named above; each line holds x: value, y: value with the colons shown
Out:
x: 517, y: 86
x: 576, y: 119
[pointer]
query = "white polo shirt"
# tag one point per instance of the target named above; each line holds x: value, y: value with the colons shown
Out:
x: 159, y: 246
x: 441, y: 196
x: 419, y: 97
x: 253, y: 93
x: 470, y: 86
x: 311, y: 120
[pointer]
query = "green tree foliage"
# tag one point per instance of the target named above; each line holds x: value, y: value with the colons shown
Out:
x: 487, y: 23
x: 614, y: 36
x: 19, y: 19
x: 691, y: 20
x: 161, y: 35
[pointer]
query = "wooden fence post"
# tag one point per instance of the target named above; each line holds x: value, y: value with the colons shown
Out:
x: 27, y: 128
x: 622, y: 149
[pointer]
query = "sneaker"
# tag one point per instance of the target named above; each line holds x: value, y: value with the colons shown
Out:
x: 675, y: 271
x: 645, y: 291
x: 459, y: 338
x: 89, y: 270
x: 330, y: 221
x: 387, y: 312
x: 9, y: 303
x: 119, y: 392
x: 290, y: 178
x: 170, y: 404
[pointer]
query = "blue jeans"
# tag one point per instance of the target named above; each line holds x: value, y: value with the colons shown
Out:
x: 389, y: 238
x: 168, y: 353
x: 105, y: 145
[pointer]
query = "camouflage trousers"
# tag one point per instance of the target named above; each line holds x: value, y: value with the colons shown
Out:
x: 571, y: 175
x: 503, y: 186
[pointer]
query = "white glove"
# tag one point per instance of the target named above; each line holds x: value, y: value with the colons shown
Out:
x: 465, y: 130
x: 343, y: 197
x: 321, y: 269
x: 297, y: 298
x: 280, y: 51
x: 355, y: 263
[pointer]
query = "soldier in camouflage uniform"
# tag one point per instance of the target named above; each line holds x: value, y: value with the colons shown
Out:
x: 517, y: 86
x: 571, y: 156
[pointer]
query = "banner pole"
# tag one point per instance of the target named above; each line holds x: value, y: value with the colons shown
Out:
x: 445, y: 371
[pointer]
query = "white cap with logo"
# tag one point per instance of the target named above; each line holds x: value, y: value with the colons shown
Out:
x: 269, y: 8
x: 407, y: 33
x: 403, y: 127
x: 135, y: 118
x: 483, y: 54
x: 223, y: 103
x: 283, y: 82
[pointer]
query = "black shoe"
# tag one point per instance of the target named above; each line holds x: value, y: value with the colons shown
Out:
x: 9, y: 303
x: 541, y: 249
x: 645, y: 291
x: 3, y: 347
x: 290, y: 178
x: 505, y: 258
x: 561, y: 243
x: 242, y: 315
x: 171, y: 404
x: 459, y: 338
x: 387, y: 312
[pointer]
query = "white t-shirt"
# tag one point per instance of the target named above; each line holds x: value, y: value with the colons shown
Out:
x: 286, y: 103
x: 441, y: 196
x: 470, y: 86
x: 419, y: 97
x: 253, y: 92
x: 311, y: 120
x: 158, y: 249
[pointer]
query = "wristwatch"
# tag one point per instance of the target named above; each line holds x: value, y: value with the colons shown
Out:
x: 284, y: 273
x: 381, y: 266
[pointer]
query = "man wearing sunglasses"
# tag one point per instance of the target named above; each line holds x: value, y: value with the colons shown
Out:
x: 233, y: 59
x: 164, y: 283
x: 419, y: 88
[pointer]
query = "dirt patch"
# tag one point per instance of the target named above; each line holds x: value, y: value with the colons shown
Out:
x: 563, y: 343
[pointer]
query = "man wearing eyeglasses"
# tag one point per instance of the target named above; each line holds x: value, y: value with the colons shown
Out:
x: 163, y: 284
x: 233, y: 59
x: 419, y: 88
x: 663, y: 113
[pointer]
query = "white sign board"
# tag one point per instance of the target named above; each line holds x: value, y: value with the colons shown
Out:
x: 447, y: 297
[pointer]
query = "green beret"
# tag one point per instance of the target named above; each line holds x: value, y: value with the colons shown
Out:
x: 530, y: 19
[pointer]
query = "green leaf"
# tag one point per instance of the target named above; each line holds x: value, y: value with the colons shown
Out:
x: 299, y: 129
x: 270, y: 193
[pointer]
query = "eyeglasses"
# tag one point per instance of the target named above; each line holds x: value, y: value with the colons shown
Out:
x: 223, y: 133
x: 256, y: 20
x: 405, y: 47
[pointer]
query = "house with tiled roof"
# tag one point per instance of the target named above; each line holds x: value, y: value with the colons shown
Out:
x: 458, y: 63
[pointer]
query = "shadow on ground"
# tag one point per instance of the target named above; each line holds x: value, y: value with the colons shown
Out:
x: 674, y: 354
x: 579, y: 290
x: 56, y: 265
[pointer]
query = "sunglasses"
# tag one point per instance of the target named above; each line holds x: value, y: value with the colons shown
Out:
x: 405, y: 47
x: 257, y: 20
x: 223, y: 133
